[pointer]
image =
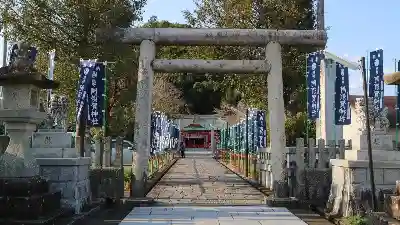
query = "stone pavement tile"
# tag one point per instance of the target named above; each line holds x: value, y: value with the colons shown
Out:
x: 144, y: 222
x: 238, y: 222
x: 203, y: 178
x: 282, y: 222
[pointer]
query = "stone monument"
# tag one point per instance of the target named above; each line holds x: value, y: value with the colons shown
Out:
x: 350, y: 187
x: 52, y: 139
x: 382, y: 142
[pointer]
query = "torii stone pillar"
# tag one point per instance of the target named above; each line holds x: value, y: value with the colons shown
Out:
x: 276, y: 110
x: 143, y: 114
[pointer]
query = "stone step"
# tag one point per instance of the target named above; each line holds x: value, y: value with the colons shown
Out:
x: 32, y: 207
x: 290, y: 203
x: 49, y: 218
x: 23, y: 186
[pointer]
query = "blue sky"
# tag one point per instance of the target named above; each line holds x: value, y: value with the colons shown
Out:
x: 356, y: 27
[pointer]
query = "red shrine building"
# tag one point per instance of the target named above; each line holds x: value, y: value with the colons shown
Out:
x: 196, y: 131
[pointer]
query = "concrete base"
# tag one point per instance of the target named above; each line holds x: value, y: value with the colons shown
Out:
x: 54, y: 152
x: 71, y: 177
x: 350, y: 189
x: 377, y: 155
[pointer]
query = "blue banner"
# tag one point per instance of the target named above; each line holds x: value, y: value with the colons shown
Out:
x: 313, y: 85
x: 376, y: 87
x: 96, y: 96
x: 342, y: 103
x: 85, y: 73
x: 262, y: 130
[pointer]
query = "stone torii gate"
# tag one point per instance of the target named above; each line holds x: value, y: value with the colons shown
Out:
x: 148, y: 38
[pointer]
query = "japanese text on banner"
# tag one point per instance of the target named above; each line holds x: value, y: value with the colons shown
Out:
x: 96, y: 96
x: 342, y: 104
x: 376, y: 87
x: 262, y: 131
x: 313, y: 85
x: 85, y: 73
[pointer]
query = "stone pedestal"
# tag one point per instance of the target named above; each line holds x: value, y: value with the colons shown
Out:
x: 53, y: 144
x: 378, y: 142
x: 71, y: 177
x: 17, y: 160
x: 351, y: 183
x: 382, y: 148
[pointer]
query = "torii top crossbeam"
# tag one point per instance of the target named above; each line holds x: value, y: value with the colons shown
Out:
x: 208, y: 36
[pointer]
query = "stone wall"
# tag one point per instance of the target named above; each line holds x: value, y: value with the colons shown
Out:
x: 315, y: 186
x: 71, y: 177
x: 107, y: 183
x: 351, y: 190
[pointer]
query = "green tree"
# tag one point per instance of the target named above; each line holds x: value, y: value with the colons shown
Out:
x: 201, y: 93
x: 269, y: 14
x: 69, y: 28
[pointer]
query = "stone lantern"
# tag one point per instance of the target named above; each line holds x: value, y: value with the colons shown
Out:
x: 21, y: 111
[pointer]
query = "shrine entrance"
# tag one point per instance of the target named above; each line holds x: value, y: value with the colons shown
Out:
x: 197, y: 137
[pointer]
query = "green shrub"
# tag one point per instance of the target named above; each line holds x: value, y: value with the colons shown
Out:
x: 356, y: 220
x: 127, y: 176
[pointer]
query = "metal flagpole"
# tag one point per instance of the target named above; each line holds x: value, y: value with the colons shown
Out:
x: 246, y: 163
x: 371, y: 165
x: 105, y: 102
x: 105, y: 99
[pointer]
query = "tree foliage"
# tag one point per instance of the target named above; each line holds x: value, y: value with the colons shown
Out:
x: 166, y: 97
x: 68, y: 26
x: 269, y: 14
x: 201, y: 93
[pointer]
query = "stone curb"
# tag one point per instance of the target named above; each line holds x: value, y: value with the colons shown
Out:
x: 267, y: 192
x: 159, y: 175
x: 252, y: 183
x: 78, y: 218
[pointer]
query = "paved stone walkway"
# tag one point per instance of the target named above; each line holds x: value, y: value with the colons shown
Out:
x: 200, y: 180
x: 199, y: 190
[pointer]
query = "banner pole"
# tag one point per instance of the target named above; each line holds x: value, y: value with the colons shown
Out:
x: 105, y: 102
x: 306, y: 118
x: 370, y: 162
x: 81, y: 131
